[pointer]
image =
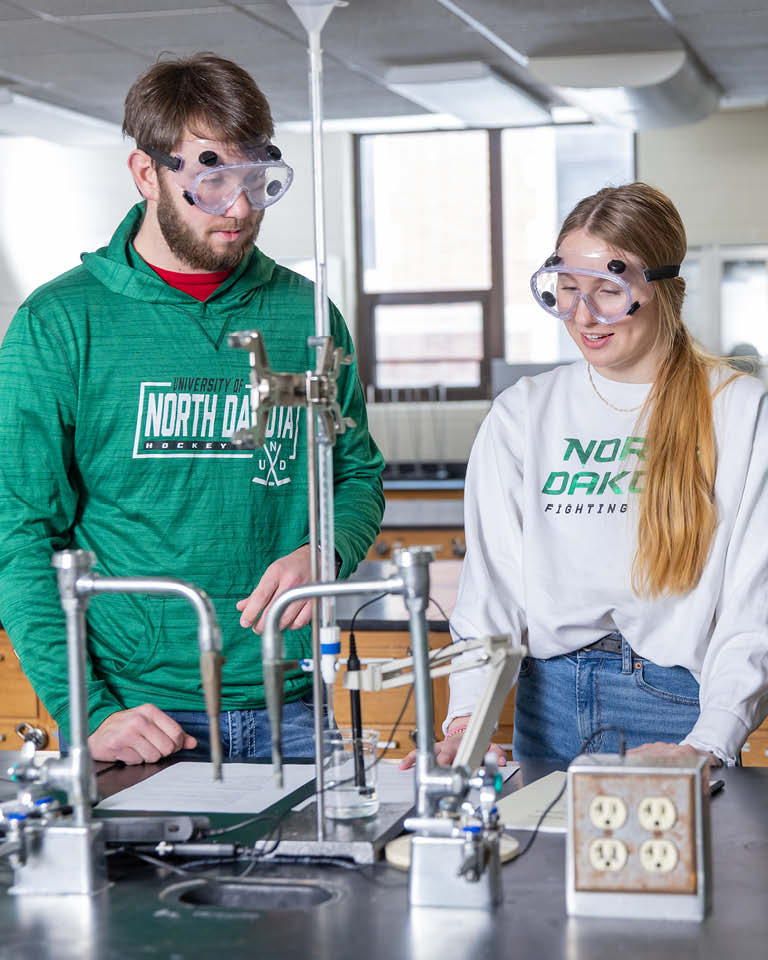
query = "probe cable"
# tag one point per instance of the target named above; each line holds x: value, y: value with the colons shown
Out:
x: 585, y: 744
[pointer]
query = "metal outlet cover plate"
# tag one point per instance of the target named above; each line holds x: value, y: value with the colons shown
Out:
x: 632, y: 788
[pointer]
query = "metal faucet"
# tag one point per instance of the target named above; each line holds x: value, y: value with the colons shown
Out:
x: 77, y: 583
x: 412, y: 583
x: 52, y: 853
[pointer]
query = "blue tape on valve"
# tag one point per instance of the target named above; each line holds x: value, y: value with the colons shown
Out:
x: 330, y: 647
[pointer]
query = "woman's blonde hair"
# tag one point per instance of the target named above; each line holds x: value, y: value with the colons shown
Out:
x: 677, y: 512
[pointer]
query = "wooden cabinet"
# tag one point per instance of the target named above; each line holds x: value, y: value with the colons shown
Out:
x: 754, y: 753
x: 19, y: 704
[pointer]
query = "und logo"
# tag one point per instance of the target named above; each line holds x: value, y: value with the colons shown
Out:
x: 280, y: 446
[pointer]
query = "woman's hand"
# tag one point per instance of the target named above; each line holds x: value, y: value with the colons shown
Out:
x: 446, y: 750
x: 675, y: 749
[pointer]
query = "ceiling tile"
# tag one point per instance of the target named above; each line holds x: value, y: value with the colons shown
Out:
x: 97, y: 50
x: 8, y: 12
x: 37, y: 38
x: 78, y: 8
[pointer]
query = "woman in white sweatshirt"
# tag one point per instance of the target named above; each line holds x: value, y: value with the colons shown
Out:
x: 617, y: 512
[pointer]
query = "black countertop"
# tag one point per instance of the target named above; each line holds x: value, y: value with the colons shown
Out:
x: 141, y: 914
x: 429, y: 475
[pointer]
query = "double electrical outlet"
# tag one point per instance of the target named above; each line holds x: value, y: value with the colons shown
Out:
x: 654, y: 814
x: 638, y: 830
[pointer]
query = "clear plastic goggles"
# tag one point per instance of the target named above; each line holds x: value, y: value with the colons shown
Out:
x: 611, y: 288
x: 212, y: 175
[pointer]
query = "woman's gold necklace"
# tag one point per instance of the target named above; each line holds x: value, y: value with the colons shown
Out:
x: 608, y: 402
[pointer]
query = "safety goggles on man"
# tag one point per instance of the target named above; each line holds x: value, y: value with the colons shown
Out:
x: 610, y: 288
x: 212, y: 175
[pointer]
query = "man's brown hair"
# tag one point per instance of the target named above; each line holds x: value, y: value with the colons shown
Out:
x: 204, y: 94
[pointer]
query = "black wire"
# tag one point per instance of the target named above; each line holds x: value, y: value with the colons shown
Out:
x: 362, y: 607
x: 220, y: 831
x: 443, y: 613
x: 156, y: 862
x: 584, y: 746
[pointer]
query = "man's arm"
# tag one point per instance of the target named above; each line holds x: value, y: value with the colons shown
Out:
x: 38, y: 505
x: 358, y: 505
x: 39, y: 501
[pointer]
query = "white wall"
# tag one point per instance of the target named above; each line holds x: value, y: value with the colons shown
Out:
x: 55, y: 202
x: 287, y: 233
x: 715, y: 172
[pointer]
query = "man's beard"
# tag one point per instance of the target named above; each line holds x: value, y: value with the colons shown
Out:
x: 194, y: 251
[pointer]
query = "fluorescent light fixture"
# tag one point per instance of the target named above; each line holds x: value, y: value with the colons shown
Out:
x: 469, y: 90
x: 22, y: 116
x: 569, y: 114
x: 636, y: 90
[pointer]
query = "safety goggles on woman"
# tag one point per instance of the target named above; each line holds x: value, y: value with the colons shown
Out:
x: 212, y: 175
x: 610, y: 288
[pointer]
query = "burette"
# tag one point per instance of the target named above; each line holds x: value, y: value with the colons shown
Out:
x: 313, y: 15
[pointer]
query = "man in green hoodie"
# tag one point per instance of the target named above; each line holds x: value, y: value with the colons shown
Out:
x: 119, y: 398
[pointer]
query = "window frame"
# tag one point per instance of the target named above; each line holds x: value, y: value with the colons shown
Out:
x: 490, y: 298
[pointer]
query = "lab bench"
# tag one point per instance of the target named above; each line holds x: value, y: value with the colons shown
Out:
x: 422, y: 512
x: 343, y: 913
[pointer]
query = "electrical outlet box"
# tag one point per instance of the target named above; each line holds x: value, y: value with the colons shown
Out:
x: 638, y: 837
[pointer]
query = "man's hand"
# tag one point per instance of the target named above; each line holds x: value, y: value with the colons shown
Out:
x: 292, y: 570
x: 140, y: 735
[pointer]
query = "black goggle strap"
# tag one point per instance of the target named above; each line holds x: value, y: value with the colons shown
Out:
x: 662, y: 273
x: 173, y: 163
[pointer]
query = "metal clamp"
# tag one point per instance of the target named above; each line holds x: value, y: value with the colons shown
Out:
x: 27, y: 732
x: 316, y: 389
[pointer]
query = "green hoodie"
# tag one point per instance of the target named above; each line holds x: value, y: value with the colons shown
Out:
x: 118, y: 400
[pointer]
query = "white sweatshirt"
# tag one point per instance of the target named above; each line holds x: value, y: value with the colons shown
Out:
x: 551, y: 519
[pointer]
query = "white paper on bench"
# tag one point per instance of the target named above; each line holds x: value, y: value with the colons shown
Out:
x: 188, y: 787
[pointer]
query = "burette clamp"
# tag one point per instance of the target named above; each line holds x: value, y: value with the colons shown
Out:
x: 314, y: 388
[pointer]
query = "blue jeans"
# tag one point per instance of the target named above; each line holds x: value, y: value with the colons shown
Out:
x: 560, y: 702
x: 247, y: 733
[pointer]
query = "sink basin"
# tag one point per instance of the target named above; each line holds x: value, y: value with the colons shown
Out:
x: 248, y: 896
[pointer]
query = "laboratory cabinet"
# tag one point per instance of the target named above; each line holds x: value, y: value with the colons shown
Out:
x: 422, y: 517
x: 21, y: 711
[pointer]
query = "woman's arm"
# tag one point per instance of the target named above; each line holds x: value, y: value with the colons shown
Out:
x: 734, y: 675
x: 490, y: 594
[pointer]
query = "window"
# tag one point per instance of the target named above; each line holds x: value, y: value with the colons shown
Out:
x: 451, y: 225
x: 425, y: 260
x: 545, y: 172
x: 435, y: 343
x: 726, y: 298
